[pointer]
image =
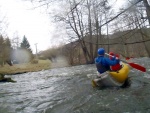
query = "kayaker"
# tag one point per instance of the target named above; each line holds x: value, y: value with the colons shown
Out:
x: 118, y: 65
x: 103, y: 63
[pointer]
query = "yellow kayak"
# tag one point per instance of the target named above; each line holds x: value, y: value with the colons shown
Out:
x: 113, y: 78
x: 121, y: 75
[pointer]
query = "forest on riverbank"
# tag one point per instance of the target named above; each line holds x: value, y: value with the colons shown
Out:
x: 93, y: 24
x: 132, y: 43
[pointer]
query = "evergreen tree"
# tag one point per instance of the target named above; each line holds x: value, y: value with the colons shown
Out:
x: 1, y: 49
x: 24, y: 53
x: 1, y: 40
x: 7, y: 42
x: 5, y: 50
x: 25, y: 43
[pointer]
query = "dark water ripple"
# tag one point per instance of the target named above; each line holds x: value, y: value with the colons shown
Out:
x: 69, y: 90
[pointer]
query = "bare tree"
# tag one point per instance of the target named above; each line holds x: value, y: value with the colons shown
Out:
x: 147, y: 6
x: 88, y: 21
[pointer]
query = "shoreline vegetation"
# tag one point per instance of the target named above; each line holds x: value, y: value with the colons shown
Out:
x: 26, y: 67
x: 36, y: 65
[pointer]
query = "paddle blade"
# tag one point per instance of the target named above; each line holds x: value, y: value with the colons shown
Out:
x: 127, y: 58
x: 138, y: 67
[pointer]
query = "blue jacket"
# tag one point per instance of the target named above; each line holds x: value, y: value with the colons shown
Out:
x: 103, y: 64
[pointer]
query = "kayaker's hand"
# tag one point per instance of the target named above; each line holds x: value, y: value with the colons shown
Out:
x: 99, y: 75
x: 117, y: 58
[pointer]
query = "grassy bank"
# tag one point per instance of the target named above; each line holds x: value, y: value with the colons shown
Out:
x: 27, y: 67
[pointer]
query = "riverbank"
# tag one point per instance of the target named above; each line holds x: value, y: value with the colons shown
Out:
x: 27, y: 67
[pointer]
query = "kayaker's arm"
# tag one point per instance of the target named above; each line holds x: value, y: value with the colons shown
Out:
x: 111, y: 62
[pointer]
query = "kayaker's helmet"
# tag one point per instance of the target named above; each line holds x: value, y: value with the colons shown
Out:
x: 101, y: 51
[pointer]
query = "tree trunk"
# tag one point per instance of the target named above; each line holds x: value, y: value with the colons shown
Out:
x: 147, y: 9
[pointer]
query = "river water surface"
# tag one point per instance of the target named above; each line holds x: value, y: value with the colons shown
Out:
x: 69, y: 90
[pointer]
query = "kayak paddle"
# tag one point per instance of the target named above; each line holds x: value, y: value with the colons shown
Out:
x: 134, y: 65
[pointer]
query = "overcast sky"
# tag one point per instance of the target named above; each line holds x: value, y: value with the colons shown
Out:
x: 34, y: 24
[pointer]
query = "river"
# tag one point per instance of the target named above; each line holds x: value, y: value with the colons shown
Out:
x: 69, y: 90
